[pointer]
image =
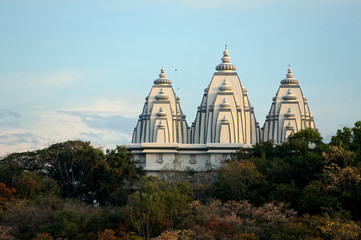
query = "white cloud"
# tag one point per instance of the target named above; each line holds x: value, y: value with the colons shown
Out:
x: 119, y: 104
x: 102, y: 121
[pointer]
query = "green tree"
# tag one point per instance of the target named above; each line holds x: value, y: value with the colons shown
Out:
x: 314, y: 200
x: 76, y: 220
x: 86, y: 173
x: 32, y: 185
x: 28, y: 215
x: 349, y: 139
x: 342, y: 178
x: 309, y: 135
x: 71, y: 164
x: 157, y: 205
x: 81, y: 170
x: 13, y: 165
x: 116, y: 175
x: 240, y: 181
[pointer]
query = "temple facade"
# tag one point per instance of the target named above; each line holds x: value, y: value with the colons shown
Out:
x: 225, y: 121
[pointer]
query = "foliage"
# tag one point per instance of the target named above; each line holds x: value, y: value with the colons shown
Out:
x: 7, y: 232
x: 175, y: 235
x: 31, y: 185
x: 86, y: 173
x: 217, y: 220
x: 43, y: 236
x: 71, y: 165
x: 78, y: 221
x: 309, y: 135
x: 349, y: 138
x: 12, y: 165
x: 339, y: 156
x: 6, y: 195
x: 245, y: 236
x: 314, y: 200
x: 117, y: 173
x: 79, y: 169
x: 157, y: 205
x: 119, y: 234
x: 72, y: 190
x: 320, y: 227
x: 26, y: 215
x: 239, y: 181
x: 200, y: 182
x: 342, y: 178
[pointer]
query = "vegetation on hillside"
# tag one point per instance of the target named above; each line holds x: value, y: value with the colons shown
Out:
x: 301, y: 189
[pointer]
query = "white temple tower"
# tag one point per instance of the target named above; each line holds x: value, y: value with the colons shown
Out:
x: 289, y: 112
x: 162, y: 119
x: 225, y: 114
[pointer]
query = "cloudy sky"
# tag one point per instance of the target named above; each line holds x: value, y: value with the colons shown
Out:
x: 80, y: 69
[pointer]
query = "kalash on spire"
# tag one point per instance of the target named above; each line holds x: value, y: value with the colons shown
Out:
x: 226, y: 65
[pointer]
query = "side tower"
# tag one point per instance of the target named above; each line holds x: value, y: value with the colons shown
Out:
x: 162, y: 119
x: 225, y: 114
x: 289, y: 112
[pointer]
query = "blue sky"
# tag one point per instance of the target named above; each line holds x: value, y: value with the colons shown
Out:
x: 80, y: 69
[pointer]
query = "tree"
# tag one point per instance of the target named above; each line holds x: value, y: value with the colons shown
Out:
x: 12, y: 166
x: 71, y: 164
x: 339, y: 156
x: 314, y: 200
x: 239, y: 181
x: 43, y: 236
x: 342, y: 178
x: 32, y: 185
x: 116, y: 175
x: 81, y: 170
x: 175, y: 235
x: 309, y: 135
x: 119, y: 234
x: 349, y: 139
x: 7, y: 232
x: 6, y: 195
x: 157, y: 205
x: 235, y: 220
x: 343, y: 138
x: 320, y: 227
x: 263, y: 150
x: 86, y: 173
x: 28, y: 215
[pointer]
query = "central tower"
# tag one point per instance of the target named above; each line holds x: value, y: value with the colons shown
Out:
x: 225, y: 114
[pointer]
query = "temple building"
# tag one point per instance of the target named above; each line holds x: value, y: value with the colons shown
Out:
x: 225, y: 121
x: 162, y: 119
x: 289, y: 112
x: 225, y: 114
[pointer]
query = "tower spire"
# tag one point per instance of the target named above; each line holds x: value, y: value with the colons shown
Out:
x: 289, y: 77
x: 162, y: 78
x: 226, y: 65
